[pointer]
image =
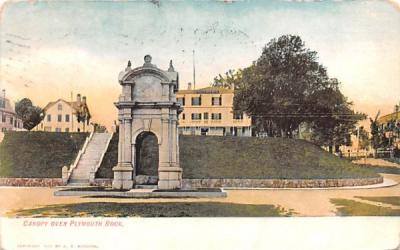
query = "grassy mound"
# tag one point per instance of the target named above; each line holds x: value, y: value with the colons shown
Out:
x: 38, y: 154
x: 250, y: 157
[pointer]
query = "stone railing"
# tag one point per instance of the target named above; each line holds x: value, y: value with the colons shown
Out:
x: 93, y: 171
x: 279, y: 183
x: 31, y: 182
x: 66, y: 172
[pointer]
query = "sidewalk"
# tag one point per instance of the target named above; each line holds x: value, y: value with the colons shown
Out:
x: 376, y: 162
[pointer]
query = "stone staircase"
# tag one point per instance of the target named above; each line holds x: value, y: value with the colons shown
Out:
x: 90, y: 158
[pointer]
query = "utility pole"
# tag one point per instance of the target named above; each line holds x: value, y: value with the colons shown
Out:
x: 194, y: 72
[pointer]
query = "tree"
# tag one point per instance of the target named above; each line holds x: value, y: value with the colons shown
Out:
x: 31, y: 115
x: 363, y: 138
x: 287, y: 87
x: 230, y: 80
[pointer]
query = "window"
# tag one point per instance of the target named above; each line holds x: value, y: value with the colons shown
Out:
x: 196, y: 101
x: 216, y: 101
x: 181, y: 100
x: 238, y: 115
x: 11, y: 120
x: 58, y: 129
x: 59, y: 118
x: 15, y: 123
x: 47, y: 129
x: 59, y: 107
x: 49, y: 118
x: 66, y: 129
x: 66, y: 118
x: 3, y: 118
x: 205, y: 115
x: 216, y: 116
x: 196, y: 116
x: 183, y: 116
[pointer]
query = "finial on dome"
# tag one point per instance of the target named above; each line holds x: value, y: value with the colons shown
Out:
x: 171, y: 67
x: 129, y: 66
x: 147, y: 60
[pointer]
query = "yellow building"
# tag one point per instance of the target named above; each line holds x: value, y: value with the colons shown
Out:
x: 386, y: 121
x: 390, y: 117
x: 209, y: 111
x: 64, y: 116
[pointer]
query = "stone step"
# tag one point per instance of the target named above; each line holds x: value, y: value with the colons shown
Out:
x: 141, y: 186
x: 79, y: 184
x: 89, y: 159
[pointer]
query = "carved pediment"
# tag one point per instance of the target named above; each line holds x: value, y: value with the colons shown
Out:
x: 130, y: 76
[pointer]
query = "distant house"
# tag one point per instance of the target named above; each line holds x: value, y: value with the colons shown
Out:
x: 390, y: 123
x: 384, y: 120
x: 209, y: 111
x: 64, y: 116
x: 8, y: 118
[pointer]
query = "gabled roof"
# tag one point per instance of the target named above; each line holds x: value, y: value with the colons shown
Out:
x: 75, y: 106
x: 71, y: 104
x: 388, y: 117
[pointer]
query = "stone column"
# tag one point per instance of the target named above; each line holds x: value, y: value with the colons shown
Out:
x: 168, y: 171
x: 124, y: 170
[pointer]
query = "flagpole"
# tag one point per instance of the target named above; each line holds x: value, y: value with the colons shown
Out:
x: 194, y: 72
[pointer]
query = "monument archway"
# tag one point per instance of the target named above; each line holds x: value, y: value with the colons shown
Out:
x: 148, y: 104
x: 147, y: 154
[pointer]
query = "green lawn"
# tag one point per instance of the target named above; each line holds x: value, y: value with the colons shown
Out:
x: 392, y: 200
x: 110, y: 159
x: 354, y: 208
x: 41, y: 154
x: 250, y: 157
x: 162, y: 209
x: 38, y: 154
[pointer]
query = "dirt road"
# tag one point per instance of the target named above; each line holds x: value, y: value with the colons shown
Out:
x: 303, y: 202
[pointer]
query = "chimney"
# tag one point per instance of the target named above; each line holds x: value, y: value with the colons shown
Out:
x: 189, y: 86
x: 78, y: 99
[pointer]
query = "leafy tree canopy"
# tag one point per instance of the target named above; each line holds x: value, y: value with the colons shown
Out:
x: 287, y: 87
x: 31, y: 115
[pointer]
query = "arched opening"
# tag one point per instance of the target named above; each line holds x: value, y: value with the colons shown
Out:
x: 147, y: 154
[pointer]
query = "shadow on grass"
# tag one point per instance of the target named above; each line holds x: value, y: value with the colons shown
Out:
x: 392, y: 200
x: 354, y: 208
x: 161, y: 209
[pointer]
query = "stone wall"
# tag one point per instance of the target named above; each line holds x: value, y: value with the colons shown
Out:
x: 31, y: 182
x: 103, y: 182
x: 208, y: 183
x: 278, y: 183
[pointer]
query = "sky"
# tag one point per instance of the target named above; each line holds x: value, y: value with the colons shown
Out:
x: 50, y: 49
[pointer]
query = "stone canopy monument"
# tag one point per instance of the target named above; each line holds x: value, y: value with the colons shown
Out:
x: 148, y: 106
